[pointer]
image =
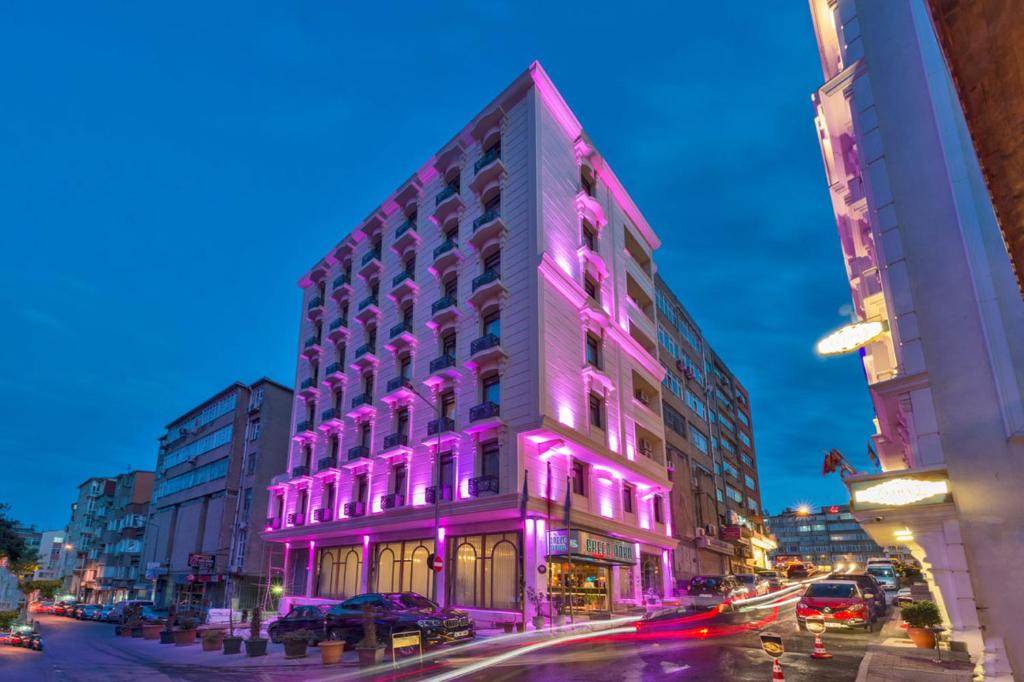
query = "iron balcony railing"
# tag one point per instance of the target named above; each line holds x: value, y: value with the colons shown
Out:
x: 301, y: 470
x: 307, y: 383
x: 395, y: 440
x: 448, y: 191
x: 315, y: 302
x: 367, y: 302
x: 444, y: 247
x: 341, y: 280
x: 442, y: 303
x: 303, y: 426
x: 486, y: 278
x: 486, y: 160
x: 328, y: 414
x: 401, y: 327
x: 358, y: 452
x: 440, y: 425
x: 392, y: 500
x: 336, y: 323
x: 487, y: 217
x: 485, y: 410
x: 443, y: 362
x: 431, y: 493
x: 405, y: 227
x: 397, y: 383
x: 329, y: 462
x: 483, y: 484
x: 401, y: 277
x: 370, y: 257
x: 354, y: 509
x: 485, y: 342
x: 361, y: 399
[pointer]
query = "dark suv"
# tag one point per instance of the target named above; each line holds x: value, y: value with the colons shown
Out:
x: 868, y: 585
x: 303, y: 617
x: 398, y: 612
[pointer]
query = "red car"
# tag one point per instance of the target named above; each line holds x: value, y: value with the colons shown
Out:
x: 839, y: 603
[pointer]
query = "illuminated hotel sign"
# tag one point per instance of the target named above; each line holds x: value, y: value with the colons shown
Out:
x: 592, y: 546
x: 899, y: 492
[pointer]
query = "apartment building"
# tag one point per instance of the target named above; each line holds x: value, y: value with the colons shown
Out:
x: 85, y: 528
x: 213, y: 467
x: 479, y: 335
x: 716, y: 497
x: 939, y: 317
x: 828, y: 536
x: 53, y: 552
x: 119, y: 573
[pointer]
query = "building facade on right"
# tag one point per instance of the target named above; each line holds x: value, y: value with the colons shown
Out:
x: 829, y: 536
x: 927, y: 265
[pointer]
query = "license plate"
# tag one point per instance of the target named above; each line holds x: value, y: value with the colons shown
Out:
x: 834, y: 624
x: 460, y: 633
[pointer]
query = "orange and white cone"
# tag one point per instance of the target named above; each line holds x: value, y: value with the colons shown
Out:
x: 777, y: 671
x: 819, y: 648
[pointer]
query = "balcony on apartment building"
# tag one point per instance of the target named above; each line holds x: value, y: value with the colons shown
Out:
x: 406, y: 237
x: 331, y: 420
x: 446, y: 255
x: 486, y: 287
x: 487, y: 171
x: 357, y: 454
x: 396, y: 446
x: 338, y: 330
x: 304, y: 429
x: 392, y: 501
x: 447, y: 202
x: 403, y: 284
x: 486, y: 415
x: 483, y: 485
x: 315, y: 308
x: 488, y: 227
x: 364, y: 358
x: 431, y: 496
x: 362, y: 405
x: 311, y: 346
x: 370, y: 264
x: 300, y: 471
x: 335, y: 373
x: 368, y: 309
x: 441, y: 369
x: 341, y: 287
x: 400, y: 336
x: 441, y: 429
x: 397, y: 390
x: 485, y: 350
x: 442, y: 311
x: 327, y: 465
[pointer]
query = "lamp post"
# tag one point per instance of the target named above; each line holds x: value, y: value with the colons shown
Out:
x: 438, y: 488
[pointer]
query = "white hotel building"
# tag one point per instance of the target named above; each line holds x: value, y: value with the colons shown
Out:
x: 495, y: 312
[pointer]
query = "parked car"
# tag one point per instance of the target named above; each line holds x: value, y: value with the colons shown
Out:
x: 712, y: 590
x: 903, y: 597
x: 774, y: 578
x: 117, y: 612
x: 152, y: 615
x: 300, y: 617
x: 797, y: 571
x: 64, y: 608
x: 42, y: 607
x: 755, y: 584
x: 885, y: 574
x: 868, y: 586
x: 88, y: 612
x: 839, y: 603
x: 399, y: 612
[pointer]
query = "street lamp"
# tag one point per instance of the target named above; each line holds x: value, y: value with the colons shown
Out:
x: 438, y: 489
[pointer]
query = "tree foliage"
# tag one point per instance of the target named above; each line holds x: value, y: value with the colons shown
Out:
x: 12, y: 546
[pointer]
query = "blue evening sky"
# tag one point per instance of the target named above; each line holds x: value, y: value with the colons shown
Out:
x: 169, y: 171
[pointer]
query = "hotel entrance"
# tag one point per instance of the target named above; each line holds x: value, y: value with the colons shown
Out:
x: 580, y: 567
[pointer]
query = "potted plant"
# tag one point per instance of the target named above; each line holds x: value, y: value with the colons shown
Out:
x: 185, y: 635
x: 536, y: 598
x: 255, y: 645
x: 920, y: 616
x: 232, y: 644
x: 296, y: 641
x: 331, y: 651
x: 213, y: 639
x: 133, y: 620
x: 167, y: 634
x: 152, y: 630
x: 370, y: 652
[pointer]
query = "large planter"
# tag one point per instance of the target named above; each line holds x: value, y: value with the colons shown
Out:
x: 184, y: 637
x: 152, y: 631
x: 331, y: 651
x: 232, y: 645
x: 255, y: 647
x: 538, y: 622
x: 295, y: 648
x: 213, y: 642
x: 923, y: 638
x: 370, y: 656
x: 166, y: 637
x: 122, y: 631
x: 136, y: 631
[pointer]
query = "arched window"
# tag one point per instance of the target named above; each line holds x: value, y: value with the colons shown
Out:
x: 386, y: 571
x: 503, y: 578
x: 326, y: 575
x: 464, y: 592
x: 420, y: 578
x: 351, y: 570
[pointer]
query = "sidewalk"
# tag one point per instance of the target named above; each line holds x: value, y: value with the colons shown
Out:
x: 896, y: 659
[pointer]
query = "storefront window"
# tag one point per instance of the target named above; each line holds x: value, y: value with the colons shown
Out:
x: 402, y: 567
x: 650, y: 574
x: 339, y: 569
x: 583, y: 586
x: 626, y: 590
x: 486, y: 571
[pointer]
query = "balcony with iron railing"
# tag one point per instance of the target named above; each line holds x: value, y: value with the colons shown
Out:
x: 342, y: 287
x: 406, y: 237
x: 354, y: 509
x: 335, y: 372
x: 368, y: 309
x: 311, y: 346
x: 440, y: 425
x: 397, y: 389
x: 326, y: 463
x: 338, y: 330
x: 362, y: 404
x: 392, y: 500
x: 485, y: 350
x: 487, y: 228
x: 431, y: 494
x: 446, y: 254
x: 300, y: 471
x: 447, y: 202
x: 395, y: 445
x: 485, y: 287
x: 403, y: 284
x: 442, y: 311
x: 483, y: 485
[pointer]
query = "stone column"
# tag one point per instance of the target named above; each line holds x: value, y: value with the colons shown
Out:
x: 310, y: 568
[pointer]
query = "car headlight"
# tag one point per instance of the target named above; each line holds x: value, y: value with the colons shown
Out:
x: 429, y: 623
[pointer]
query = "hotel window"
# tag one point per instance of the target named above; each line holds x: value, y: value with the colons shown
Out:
x: 404, y: 567
x: 744, y: 438
x: 335, y: 445
x: 489, y: 458
x: 699, y: 439
x: 591, y: 287
x: 736, y: 497
x: 659, y: 513
x: 448, y: 404
x: 492, y: 324
x: 340, y: 355
x: 402, y: 420
x: 695, y: 403
x: 307, y: 455
x: 491, y: 389
x: 343, y: 314
x: 336, y: 397
x: 375, y: 290
x: 447, y: 472
x: 448, y: 344
x: 589, y: 237
x: 364, y: 434
x: 254, y: 429
x: 302, y: 502
x: 493, y: 262
x: 398, y: 478
x: 627, y: 498
x: 340, y: 572
x: 376, y: 245
x: 361, y: 488
x: 368, y: 384
x: 327, y: 499
x: 451, y: 287
x: 579, y: 478
x: 493, y: 204
x: 748, y: 481
x: 587, y: 183
x: 410, y: 266
x: 404, y: 365
x: 486, y: 571
x: 407, y: 315
x: 596, y: 411
x: 594, y: 351
x: 452, y: 233
x: 371, y: 338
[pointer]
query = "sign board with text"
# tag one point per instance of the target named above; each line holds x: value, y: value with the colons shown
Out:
x: 592, y: 545
x: 202, y: 563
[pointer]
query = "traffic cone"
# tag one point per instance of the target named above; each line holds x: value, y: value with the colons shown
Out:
x: 819, y: 648
x: 777, y: 671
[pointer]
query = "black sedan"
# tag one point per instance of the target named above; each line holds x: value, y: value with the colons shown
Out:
x: 397, y: 612
x: 299, y: 618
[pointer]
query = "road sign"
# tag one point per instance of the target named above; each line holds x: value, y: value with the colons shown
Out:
x: 815, y: 625
x: 772, y: 645
x: 437, y: 563
x: 405, y: 640
x: 542, y: 569
x: 203, y: 563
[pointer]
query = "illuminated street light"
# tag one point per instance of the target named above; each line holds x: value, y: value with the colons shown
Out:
x: 803, y: 509
x: 850, y: 337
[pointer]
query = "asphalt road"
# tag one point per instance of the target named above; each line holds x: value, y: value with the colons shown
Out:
x: 723, y: 647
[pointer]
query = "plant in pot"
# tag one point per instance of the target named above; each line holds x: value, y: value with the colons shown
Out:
x: 213, y: 639
x: 232, y: 644
x: 296, y: 641
x: 920, y: 616
x: 255, y: 645
x: 152, y: 630
x: 133, y: 620
x: 370, y: 652
x: 185, y: 635
x: 331, y: 651
x: 536, y: 598
x: 167, y: 634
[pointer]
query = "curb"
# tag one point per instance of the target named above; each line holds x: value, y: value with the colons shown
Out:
x: 865, y: 666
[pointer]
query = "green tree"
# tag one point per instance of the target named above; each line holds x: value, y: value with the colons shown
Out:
x: 12, y: 545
